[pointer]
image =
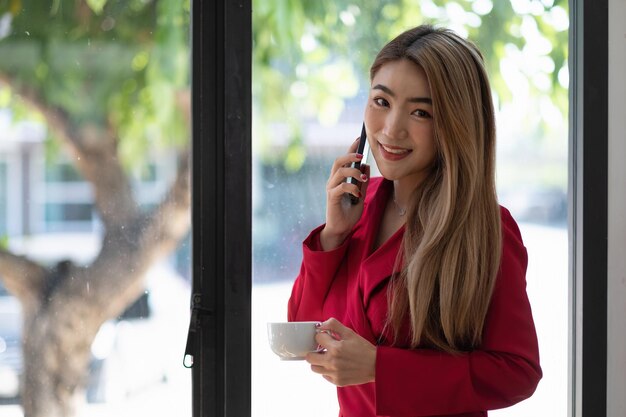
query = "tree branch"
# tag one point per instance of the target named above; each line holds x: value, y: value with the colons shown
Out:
x: 171, y: 220
x: 22, y: 277
x: 56, y: 119
x: 99, y: 164
x: 94, y: 152
x: 128, y: 252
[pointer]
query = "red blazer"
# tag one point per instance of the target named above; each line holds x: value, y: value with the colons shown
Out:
x: 349, y: 283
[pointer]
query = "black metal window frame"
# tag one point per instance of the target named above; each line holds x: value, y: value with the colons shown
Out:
x: 588, y: 206
x: 220, y: 332
x: 222, y: 177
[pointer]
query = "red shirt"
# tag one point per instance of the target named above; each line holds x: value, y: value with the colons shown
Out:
x: 350, y: 283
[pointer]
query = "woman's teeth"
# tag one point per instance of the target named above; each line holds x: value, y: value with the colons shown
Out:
x: 394, y: 151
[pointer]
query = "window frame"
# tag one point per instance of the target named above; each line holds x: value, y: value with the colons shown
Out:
x: 221, y: 208
x: 220, y: 334
x: 588, y: 207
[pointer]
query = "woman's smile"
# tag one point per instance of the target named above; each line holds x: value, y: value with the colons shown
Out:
x: 393, y: 153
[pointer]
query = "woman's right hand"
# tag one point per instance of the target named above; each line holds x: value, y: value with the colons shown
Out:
x: 341, y: 214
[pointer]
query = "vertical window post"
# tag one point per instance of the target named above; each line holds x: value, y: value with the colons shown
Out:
x: 219, y: 340
x: 588, y: 206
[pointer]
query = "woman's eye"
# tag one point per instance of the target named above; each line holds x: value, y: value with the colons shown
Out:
x: 421, y: 113
x: 381, y: 102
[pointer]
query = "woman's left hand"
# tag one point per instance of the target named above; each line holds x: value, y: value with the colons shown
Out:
x: 348, y: 359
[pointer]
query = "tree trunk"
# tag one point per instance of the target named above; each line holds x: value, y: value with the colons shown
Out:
x: 64, y: 307
x: 60, y: 326
x: 56, y: 353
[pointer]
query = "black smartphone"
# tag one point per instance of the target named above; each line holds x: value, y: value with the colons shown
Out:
x: 364, y: 150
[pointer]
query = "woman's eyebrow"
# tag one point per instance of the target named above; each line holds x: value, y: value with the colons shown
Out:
x: 387, y: 90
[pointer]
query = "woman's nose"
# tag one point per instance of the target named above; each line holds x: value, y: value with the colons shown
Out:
x: 395, y: 126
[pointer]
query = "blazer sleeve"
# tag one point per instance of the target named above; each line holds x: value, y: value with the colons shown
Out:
x: 502, y: 372
x: 316, y: 275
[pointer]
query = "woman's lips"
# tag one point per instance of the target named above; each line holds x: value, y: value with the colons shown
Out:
x: 393, y: 153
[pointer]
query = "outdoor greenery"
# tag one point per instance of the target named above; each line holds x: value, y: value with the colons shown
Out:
x: 108, y: 64
x: 110, y: 81
x: 312, y: 56
x: 309, y: 58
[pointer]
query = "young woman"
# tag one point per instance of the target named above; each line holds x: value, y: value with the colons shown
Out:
x: 421, y: 285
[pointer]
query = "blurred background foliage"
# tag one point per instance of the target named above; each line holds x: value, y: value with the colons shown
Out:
x: 309, y: 60
x: 113, y: 65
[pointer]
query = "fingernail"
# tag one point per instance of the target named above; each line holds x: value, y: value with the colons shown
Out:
x: 364, y: 177
x: 359, y: 156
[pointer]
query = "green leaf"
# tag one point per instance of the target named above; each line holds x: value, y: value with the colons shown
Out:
x: 96, y: 5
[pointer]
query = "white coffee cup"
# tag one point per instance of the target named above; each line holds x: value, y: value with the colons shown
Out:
x: 292, y: 340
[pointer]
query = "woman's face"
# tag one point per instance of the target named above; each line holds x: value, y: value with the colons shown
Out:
x: 399, y: 122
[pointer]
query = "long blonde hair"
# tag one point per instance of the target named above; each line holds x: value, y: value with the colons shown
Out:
x: 452, y: 241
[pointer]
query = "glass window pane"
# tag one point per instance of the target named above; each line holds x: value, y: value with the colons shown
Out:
x: 310, y: 84
x: 94, y: 150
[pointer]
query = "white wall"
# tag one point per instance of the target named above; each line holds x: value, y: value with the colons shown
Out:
x: 616, y: 375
